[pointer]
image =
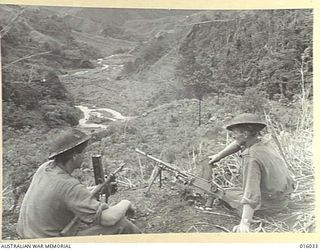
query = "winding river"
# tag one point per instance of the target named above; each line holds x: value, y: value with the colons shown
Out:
x: 87, y: 112
x: 113, y: 61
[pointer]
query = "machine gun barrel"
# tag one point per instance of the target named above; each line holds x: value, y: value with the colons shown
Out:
x: 165, y: 165
x: 187, y: 178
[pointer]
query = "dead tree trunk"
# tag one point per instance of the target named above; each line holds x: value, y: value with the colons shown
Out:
x: 200, y: 99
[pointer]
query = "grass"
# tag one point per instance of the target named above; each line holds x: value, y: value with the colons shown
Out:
x: 297, y: 147
x: 297, y: 150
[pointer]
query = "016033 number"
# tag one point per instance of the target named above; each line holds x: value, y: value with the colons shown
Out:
x: 309, y: 246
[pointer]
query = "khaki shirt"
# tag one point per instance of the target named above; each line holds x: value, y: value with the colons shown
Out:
x: 266, y: 179
x: 51, y: 202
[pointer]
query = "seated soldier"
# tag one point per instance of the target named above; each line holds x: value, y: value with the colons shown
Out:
x: 266, y: 182
x: 54, y: 198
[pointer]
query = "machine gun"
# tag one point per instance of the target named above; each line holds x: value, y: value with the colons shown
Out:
x: 96, y: 190
x: 209, y: 187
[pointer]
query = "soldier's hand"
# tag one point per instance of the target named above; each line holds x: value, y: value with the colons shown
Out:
x: 112, y: 187
x: 242, y: 228
x: 213, y: 159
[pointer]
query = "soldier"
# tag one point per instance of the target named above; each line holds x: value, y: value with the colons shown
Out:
x: 54, y: 198
x: 266, y: 182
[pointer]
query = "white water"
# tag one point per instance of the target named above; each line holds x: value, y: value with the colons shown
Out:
x: 81, y: 72
x: 96, y: 112
x: 114, y: 115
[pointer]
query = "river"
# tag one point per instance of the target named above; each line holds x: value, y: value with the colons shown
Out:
x: 110, y: 62
x: 98, y: 112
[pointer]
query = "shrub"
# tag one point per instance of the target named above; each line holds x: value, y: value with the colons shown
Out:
x: 254, y: 101
x: 61, y: 114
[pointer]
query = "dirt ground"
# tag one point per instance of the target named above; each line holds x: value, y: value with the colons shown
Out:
x: 167, y: 210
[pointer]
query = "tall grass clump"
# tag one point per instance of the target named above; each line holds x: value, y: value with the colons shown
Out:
x: 295, y: 146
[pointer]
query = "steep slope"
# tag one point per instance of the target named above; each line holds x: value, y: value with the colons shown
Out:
x: 242, y: 49
x: 33, y: 54
x: 226, y: 52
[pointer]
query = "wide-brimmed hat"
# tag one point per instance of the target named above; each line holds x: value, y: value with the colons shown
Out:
x: 68, y: 140
x: 246, y: 118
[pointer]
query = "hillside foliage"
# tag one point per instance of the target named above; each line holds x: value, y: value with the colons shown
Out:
x: 269, y: 50
x: 34, y: 54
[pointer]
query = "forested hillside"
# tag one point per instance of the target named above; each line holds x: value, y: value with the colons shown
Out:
x: 270, y: 51
x: 267, y: 52
x: 34, y: 54
x: 265, y: 55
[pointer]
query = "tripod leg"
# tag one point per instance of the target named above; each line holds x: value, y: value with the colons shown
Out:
x: 154, y: 175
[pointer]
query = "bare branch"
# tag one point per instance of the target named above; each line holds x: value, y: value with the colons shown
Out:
x: 211, y: 21
x: 26, y: 57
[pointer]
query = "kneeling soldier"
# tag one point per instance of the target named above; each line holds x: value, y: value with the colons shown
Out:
x: 54, y: 198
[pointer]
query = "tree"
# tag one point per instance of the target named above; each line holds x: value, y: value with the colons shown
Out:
x: 254, y: 101
x: 197, y: 77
